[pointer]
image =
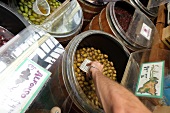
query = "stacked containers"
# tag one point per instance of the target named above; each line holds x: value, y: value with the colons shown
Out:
x: 127, y: 23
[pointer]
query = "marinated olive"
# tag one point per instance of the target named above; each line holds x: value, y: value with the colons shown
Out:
x: 87, y: 85
x: 25, y: 7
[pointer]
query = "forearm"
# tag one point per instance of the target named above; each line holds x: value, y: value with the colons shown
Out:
x: 115, y: 98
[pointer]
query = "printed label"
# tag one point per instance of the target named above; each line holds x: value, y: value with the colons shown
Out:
x: 22, y: 86
x: 146, y: 31
x: 150, y: 81
x: 83, y: 66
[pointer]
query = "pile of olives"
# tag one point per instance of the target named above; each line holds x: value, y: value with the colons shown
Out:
x: 25, y: 8
x: 87, y: 85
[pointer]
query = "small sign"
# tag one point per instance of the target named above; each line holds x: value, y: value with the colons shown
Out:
x: 146, y: 31
x: 83, y: 66
x: 150, y: 81
x: 22, y: 86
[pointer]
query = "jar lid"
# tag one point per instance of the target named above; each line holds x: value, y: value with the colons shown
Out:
x: 64, y: 21
x: 147, y: 6
x: 133, y: 26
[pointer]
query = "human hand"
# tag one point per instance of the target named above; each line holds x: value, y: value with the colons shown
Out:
x: 95, y: 67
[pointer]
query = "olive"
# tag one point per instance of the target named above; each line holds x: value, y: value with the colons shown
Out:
x: 87, y: 85
x: 26, y: 8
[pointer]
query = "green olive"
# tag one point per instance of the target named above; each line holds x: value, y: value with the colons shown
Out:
x: 88, y: 85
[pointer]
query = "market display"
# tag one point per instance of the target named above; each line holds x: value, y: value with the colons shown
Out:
x: 87, y: 85
x: 25, y: 7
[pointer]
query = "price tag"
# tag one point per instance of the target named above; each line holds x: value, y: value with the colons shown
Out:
x: 150, y: 81
x: 22, y: 86
x: 83, y: 66
x: 146, y: 31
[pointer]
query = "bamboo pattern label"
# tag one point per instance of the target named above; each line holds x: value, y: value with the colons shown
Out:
x: 150, y: 81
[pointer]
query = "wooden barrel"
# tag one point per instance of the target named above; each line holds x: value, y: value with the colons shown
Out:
x: 85, y: 23
x: 89, y: 11
x: 104, y: 22
x: 102, y: 41
x: 89, y: 14
x: 90, y: 7
x: 110, y: 20
x: 94, y: 24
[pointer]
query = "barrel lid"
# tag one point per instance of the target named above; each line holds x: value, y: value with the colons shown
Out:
x: 65, y: 21
x: 134, y: 27
x: 147, y: 6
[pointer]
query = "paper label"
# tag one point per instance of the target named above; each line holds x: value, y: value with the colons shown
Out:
x: 150, y: 81
x: 146, y: 31
x: 83, y: 66
x: 22, y: 86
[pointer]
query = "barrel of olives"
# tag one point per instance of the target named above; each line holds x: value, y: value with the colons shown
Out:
x: 70, y: 81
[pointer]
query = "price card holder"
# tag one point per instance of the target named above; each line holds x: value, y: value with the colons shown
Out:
x: 150, y: 81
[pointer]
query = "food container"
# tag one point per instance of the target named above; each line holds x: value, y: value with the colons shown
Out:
x: 134, y: 73
x: 63, y: 23
x: 25, y: 8
x: 144, y: 6
x: 99, y: 40
x: 119, y: 19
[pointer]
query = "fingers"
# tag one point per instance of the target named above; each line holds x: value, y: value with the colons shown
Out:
x: 95, y: 65
x: 89, y: 64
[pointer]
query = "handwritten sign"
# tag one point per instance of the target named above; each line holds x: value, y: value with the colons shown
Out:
x: 150, y: 81
x: 22, y: 86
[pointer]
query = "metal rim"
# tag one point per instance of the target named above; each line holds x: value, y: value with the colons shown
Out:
x: 72, y: 47
x: 118, y: 29
x: 143, y: 8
